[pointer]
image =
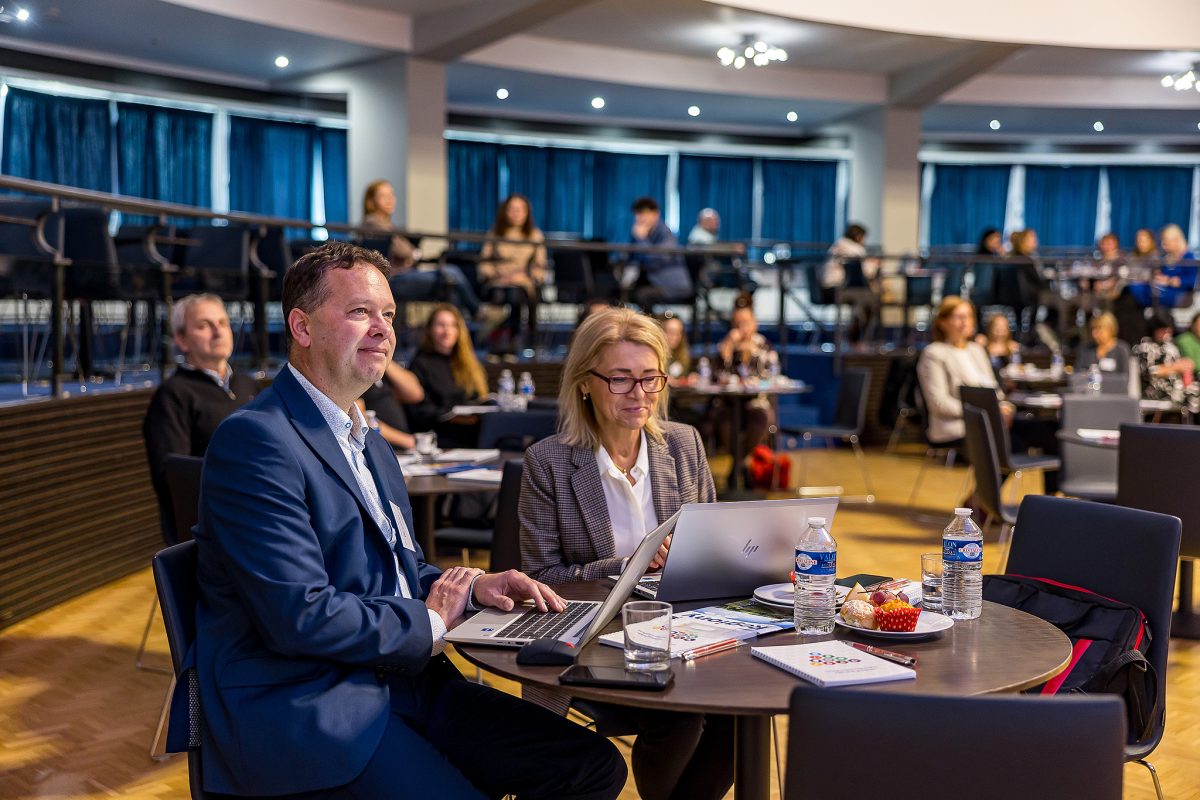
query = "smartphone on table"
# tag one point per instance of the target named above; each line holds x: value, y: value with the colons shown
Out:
x: 616, y: 678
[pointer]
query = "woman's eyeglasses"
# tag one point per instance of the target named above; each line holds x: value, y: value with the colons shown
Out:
x: 623, y: 384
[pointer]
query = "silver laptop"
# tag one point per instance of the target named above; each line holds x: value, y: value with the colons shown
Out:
x: 582, y: 619
x: 730, y: 549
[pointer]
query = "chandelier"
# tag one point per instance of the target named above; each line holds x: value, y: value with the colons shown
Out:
x: 1182, y: 81
x: 750, y: 51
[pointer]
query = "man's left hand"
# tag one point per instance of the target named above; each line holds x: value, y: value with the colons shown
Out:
x: 503, y: 590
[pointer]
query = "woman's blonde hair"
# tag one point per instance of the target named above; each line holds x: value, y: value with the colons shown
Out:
x: 576, y: 418
x: 1105, y: 320
x: 464, y: 366
x: 370, y: 206
x: 949, y: 305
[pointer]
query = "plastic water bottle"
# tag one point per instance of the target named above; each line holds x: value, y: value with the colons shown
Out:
x: 704, y: 373
x: 506, y: 390
x: 1015, y: 358
x: 1056, y: 364
x: 816, y: 570
x: 962, y: 561
x: 773, y: 368
x: 1095, y: 382
x: 526, y: 389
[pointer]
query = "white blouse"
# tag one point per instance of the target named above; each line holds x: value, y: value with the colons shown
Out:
x: 630, y: 507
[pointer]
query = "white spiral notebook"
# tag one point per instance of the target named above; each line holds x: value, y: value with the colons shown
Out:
x: 832, y: 663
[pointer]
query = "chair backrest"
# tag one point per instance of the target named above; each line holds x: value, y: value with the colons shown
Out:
x: 818, y: 295
x: 984, y: 398
x: 516, y: 430
x: 572, y: 275
x: 19, y: 240
x: 1064, y: 747
x: 981, y: 451
x: 1105, y: 412
x: 86, y: 238
x: 182, y: 474
x: 852, y: 399
x: 1148, y: 481
x: 506, y: 536
x: 1123, y: 553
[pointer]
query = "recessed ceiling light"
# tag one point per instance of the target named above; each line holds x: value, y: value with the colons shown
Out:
x: 502, y: 94
x: 281, y: 61
x: 693, y: 111
x: 22, y: 15
x: 792, y: 116
x: 1098, y: 126
x: 994, y: 124
x: 597, y: 103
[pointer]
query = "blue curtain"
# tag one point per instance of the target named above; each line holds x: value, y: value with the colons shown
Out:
x: 723, y: 184
x: 617, y: 180
x: 474, y: 184
x: 335, y: 173
x: 1148, y: 197
x: 529, y: 174
x: 271, y: 167
x: 799, y: 200
x: 965, y: 201
x: 164, y: 154
x: 1060, y: 204
x: 557, y: 181
x: 58, y: 139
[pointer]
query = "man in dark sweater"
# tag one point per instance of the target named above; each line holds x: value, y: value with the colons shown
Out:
x: 188, y: 406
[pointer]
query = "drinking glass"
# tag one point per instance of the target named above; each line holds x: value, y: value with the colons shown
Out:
x: 931, y: 582
x: 647, y: 634
x: 426, y: 444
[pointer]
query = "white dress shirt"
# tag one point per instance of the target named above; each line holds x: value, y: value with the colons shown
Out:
x: 351, y: 436
x: 630, y: 507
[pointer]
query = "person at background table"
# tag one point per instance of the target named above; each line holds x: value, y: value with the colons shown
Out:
x: 1132, y: 287
x: 746, y: 353
x: 1165, y: 374
x: 848, y: 269
x: 722, y: 270
x: 679, y: 358
x: 998, y: 341
x: 1109, y: 353
x: 1173, y: 282
x: 187, y: 408
x: 514, y: 269
x: 616, y: 469
x: 407, y: 282
x: 1020, y: 284
x: 451, y: 375
x: 663, y: 278
x: 1188, y: 342
x: 952, y: 360
x: 991, y: 243
x: 387, y: 398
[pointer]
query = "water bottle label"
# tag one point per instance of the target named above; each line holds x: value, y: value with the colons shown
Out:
x: 821, y: 562
x: 962, y: 551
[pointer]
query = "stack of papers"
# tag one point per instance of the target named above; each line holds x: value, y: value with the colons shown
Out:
x: 480, y: 475
x: 468, y: 455
x: 711, y: 625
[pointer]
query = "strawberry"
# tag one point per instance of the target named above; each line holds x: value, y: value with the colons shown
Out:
x: 897, y: 617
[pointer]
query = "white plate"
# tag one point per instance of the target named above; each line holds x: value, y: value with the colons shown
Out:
x: 783, y: 595
x: 928, y: 624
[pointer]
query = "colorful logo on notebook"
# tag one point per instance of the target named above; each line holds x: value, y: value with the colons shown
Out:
x: 818, y: 659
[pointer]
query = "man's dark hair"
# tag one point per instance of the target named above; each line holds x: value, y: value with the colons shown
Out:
x: 304, y: 283
x: 855, y: 232
x: 645, y: 204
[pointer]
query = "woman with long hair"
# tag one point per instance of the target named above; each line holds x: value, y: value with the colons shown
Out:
x: 450, y: 374
x: 513, y: 263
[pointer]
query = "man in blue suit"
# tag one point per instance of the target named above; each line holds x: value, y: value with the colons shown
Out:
x: 319, y: 624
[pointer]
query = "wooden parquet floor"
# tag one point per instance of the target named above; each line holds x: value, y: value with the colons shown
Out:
x: 76, y: 718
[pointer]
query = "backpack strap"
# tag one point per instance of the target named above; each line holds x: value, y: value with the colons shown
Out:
x: 1141, y: 695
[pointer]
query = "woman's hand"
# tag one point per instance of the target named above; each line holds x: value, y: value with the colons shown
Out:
x: 660, y: 558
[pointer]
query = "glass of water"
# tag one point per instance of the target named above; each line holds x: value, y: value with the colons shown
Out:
x: 931, y: 582
x: 647, y: 634
x: 425, y: 444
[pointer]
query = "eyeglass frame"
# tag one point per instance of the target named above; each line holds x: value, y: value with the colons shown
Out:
x: 640, y: 381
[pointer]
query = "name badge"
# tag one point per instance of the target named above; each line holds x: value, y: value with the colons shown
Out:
x: 1108, y: 365
x: 402, y: 528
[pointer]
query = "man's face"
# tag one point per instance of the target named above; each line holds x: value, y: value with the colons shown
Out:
x: 647, y: 218
x: 206, y: 340
x: 349, y: 338
x: 711, y: 223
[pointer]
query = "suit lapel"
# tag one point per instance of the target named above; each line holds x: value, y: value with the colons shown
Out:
x: 663, y: 480
x: 593, y: 509
x: 376, y: 463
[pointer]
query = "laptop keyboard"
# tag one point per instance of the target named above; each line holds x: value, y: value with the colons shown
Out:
x: 534, y: 624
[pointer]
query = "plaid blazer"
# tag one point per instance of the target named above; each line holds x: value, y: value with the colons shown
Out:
x: 566, y: 532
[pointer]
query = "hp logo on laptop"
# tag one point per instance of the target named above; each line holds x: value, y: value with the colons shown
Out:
x: 749, y: 548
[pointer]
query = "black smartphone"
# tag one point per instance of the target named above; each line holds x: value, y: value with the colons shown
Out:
x: 616, y: 678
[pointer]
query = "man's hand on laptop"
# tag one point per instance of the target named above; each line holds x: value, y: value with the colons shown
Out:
x: 503, y: 590
x: 448, y: 594
x: 660, y: 558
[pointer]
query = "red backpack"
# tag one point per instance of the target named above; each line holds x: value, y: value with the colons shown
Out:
x: 768, y: 469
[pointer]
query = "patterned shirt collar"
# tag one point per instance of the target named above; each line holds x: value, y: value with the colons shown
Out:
x: 345, y: 428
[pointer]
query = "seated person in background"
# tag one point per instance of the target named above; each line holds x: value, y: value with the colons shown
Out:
x: 386, y: 400
x: 1173, y: 283
x: 1188, y: 342
x: 998, y: 341
x: 679, y: 359
x: 847, y: 268
x: 1106, y: 350
x: 319, y: 626
x: 409, y: 283
x: 951, y: 361
x: 189, y: 405
x: 513, y: 270
x: 450, y: 374
x: 1098, y: 293
x: 592, y: 492
x: 1021, y: 285
x: 722, y: 271
x: 1166, y: 375
x: 746, y: 353
x: 662, y: 278
x: 991, y: 243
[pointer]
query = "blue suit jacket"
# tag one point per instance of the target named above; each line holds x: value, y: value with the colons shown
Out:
x: 298, y: 603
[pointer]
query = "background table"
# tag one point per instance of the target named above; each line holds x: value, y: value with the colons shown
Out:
x: 424, y: 490
x: 1005, y: 650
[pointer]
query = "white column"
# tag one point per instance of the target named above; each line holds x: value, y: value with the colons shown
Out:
x: 885, y: 180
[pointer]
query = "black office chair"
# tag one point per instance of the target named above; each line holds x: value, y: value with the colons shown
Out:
x: 981, y: 452
x: 1090, y: 472
x: 1042, y: 747
x: 932, y: 449
x: 468, y: 539
x: 516, y: 430
x: 850, y: 418
x: 1146, y: 480
x: 572, y: 276
x: 506, y: 539
x: 1014, y: 464
x: 1126, y: 554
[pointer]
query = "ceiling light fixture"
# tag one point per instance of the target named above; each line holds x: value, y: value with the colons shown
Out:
x: 282, y: 61
x: 1098, y: 126
x: 693, y: 111
x: 994, y: 124
x: 792, y: 116
x: 750, y: 51
x: 8, y: 15
x: 597, y: 103
x: 502, y: 94
x: 1182, y: 81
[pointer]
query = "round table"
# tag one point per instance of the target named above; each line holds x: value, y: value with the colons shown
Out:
x: 1005, y: 650
x: 424, y: 490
